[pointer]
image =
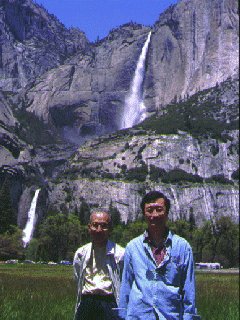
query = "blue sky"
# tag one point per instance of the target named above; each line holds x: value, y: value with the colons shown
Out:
x: 98, y: 17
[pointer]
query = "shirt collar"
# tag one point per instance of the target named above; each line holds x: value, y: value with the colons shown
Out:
x: 110, y: 248
x: 167, y: 242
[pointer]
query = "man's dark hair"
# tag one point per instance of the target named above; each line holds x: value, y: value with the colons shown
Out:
x: 152, y: 196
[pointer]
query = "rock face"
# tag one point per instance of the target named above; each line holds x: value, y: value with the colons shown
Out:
x: 32, y: 42
x: 90, y: 89
x: 192, y: 48
x: 199, y: 174
x: 56, y: 86
x: 206, y: 202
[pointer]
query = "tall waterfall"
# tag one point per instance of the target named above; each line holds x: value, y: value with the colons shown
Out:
x: 30, y: 225
x: 134, y: 108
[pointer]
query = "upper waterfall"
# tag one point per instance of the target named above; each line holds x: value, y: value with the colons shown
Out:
x: 134, y: 108
x: 29, y: 228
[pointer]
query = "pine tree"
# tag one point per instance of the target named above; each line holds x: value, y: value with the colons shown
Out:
x: 6, y: 209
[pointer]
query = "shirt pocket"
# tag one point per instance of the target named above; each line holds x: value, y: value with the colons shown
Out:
x: 172, y: 272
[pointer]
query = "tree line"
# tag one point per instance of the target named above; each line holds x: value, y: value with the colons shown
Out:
x: 59, y: 235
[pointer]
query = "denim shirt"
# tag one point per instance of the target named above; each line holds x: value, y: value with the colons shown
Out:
x: 114, y: 260
x: 165, y: 291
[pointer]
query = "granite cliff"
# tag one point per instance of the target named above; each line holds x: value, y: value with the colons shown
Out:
x: 192, y: 48
x: 57, y: 90
x: 32, y: 41
x: 197, y: 168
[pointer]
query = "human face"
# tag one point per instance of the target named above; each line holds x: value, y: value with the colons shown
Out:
x: 99, y: 228
x: 156, y: 213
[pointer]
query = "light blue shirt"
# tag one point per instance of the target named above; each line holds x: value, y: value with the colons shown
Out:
x: 165, y: 291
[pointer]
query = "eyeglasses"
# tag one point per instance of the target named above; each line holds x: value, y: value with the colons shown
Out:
x: 103, y: 226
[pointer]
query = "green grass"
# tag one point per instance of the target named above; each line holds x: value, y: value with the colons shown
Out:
x: 30, y: 292
x: 218, y: 296
x: 36, y: 292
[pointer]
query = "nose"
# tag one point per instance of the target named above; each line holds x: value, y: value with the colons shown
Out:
x: 155, y: 212
x: 99, y: 228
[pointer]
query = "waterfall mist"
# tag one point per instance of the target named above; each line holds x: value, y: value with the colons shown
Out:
x: 32, y: 219
x: 134, y: 108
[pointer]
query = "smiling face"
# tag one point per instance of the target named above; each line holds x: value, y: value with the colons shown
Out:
x: 156, y: 213
x: 99, y: 228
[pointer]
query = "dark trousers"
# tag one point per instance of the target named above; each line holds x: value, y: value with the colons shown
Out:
x: 95, y: 307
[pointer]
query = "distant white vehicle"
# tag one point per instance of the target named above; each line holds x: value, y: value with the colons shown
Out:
x: 11, y: 261
x: 51, y: 263
x: 208, y: 265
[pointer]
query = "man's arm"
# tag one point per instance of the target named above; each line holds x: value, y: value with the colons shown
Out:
x: 126, y: 285
x: 78, y: 262
x: 76, y: 266
x: 189, y: 290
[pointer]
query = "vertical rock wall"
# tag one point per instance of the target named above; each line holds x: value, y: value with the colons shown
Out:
x: 194, y: 46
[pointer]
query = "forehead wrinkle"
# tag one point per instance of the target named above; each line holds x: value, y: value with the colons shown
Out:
x: 100, y: 215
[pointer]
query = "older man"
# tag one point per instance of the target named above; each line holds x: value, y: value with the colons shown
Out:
x: 97, y: 269
x: 158, y: 277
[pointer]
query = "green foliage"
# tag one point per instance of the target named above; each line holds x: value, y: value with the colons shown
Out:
x: 174, y: 176
x: 84, y: 212
x: 11, y: 244
x: 212, y: 242
x: 59, y: 237
x: 123, y: 233
x: 179, y: 175
x: 219, y: 178
x: 200, y: 115
x: 181, y: 228
x: 235, y: 175
x: 137, y: 173
x: 32, y: 250
x: 155, y: 173
x: 226, y: 235
x: 6, y: 210
x: 115, y: 214
x: 33, y: 130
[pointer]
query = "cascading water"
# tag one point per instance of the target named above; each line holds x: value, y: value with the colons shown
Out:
x: 134, y: 108
x: 29, y: 228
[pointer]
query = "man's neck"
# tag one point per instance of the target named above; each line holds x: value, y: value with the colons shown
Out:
x: 100, y: 244
x: 157, y: 235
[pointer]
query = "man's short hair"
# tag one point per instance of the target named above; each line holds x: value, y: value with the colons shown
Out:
x: 152, y: 196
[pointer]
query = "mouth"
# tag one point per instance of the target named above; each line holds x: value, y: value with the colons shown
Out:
x: 155, y: 220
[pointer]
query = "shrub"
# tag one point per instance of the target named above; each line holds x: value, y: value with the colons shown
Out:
x: 235, y: 175
x: 156, y: 173
x: 219, y: 178
x: 179, y: 175
x: 138, y: 173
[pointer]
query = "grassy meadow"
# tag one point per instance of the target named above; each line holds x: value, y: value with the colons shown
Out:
x: 42, y: 292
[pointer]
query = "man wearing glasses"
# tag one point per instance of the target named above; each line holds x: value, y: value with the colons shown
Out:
x: 158, y: 280
x: 97, y: 268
